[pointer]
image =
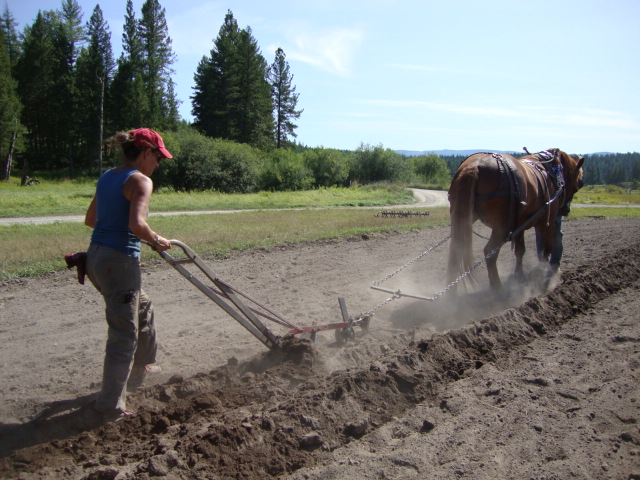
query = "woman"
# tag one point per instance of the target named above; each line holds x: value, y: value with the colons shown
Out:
x: 118, y: 216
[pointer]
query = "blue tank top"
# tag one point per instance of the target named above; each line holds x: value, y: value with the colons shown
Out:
x: 112, y: 208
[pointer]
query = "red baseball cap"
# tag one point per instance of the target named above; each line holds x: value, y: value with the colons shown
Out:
x: 145, y: 137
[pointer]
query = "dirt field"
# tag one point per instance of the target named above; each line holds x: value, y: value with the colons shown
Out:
x: 528, y: 384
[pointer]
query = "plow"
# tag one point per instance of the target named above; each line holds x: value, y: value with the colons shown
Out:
x: 247, y: 311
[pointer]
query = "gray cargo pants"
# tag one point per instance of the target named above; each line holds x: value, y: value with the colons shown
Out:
x: 131, y: 338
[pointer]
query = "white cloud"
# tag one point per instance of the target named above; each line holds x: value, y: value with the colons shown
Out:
x: 577, y: 117
x: 331, y: 50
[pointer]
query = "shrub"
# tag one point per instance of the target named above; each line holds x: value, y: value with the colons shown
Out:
x: 285, y: 170
x: 431, y: 169
x: 377, y: 164
x: 238, y: 167
x: 202, y: 163
x: 329, y: 167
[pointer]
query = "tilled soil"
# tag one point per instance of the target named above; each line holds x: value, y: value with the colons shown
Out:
x: 536, y: 382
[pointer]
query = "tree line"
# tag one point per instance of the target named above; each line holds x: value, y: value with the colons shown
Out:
x: 612, y: 169
x: 599, y: 168
x: 62, y: 91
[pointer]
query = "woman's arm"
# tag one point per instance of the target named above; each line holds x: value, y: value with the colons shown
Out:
x: 91, y: 215
x: 137, y: 189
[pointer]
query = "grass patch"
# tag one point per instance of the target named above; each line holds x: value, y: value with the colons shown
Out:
x: 32, y: 250
x: 606, y: 195
x: 64, y: 197
x: 68, y: 197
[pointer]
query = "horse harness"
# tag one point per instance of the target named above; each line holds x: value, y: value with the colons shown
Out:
x: 546, y: 165
x: 548, y: 162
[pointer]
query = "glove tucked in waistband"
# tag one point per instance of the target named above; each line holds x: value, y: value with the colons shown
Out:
x: 79, y: 261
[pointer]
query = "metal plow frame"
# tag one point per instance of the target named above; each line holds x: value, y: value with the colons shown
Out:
x: 228, y: 298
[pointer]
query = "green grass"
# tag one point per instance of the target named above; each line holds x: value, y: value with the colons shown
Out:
x: 49, y: 198
x: 67, y: 197
x: 607, y: 195
x: 32, y: 250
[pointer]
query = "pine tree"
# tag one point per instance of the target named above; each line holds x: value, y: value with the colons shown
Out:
x: 95, y: 69
x: 285, y: 99
x: 172, y: 104
x: 232, y: 97
x: 46, y: 84
x: 158, y: 57
x: 8, y: 25
x: 128, y: 101
x: 202, y: 106
x: 10, y: 106
x: 69, y: 38
x: 252, y: 107
x: 34, y: 72
x: 210, y: 101
x: 71, y: 14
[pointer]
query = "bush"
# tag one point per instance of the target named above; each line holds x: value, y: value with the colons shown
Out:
x: 377, y: 164
x: 202, y: 163
x: 330, y: 168
x: 285, y: 170
x: 431, y: 169
x: 238, y: 167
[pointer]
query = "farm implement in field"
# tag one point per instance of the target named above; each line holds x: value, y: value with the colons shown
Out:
x: 401, y: 214
x: 236, y: 304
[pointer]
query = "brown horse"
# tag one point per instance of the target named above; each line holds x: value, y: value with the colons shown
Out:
x: 509, y: 196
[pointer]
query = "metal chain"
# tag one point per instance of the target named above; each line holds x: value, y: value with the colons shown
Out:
x: 396, y: 295
x: 438, y: 294
x: 467, y: 273
x: 377, y: 307
x: 379, y: 282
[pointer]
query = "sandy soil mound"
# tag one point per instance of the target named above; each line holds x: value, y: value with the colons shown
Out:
x: 538, y: 382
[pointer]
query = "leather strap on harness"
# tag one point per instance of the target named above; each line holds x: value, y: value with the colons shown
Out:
x: 513, y: 192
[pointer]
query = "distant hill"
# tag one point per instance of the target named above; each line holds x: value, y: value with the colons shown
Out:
x: 466, y: 153
x: 446, y: 153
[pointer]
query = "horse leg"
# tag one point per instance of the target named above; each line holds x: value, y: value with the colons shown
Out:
x: 545, y: 244
x: 495, y: 241
x: 519, y: 249
x: 540, y: 245
x: 557, y: 248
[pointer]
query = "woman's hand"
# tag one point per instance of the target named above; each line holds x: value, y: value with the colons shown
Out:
x: 161, y: 244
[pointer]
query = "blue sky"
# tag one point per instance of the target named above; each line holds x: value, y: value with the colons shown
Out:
x: 429, y: 74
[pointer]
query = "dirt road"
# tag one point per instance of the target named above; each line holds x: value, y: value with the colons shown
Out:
x: 527, y: 384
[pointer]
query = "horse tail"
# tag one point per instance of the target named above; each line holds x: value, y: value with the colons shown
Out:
x: 462, y: 196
